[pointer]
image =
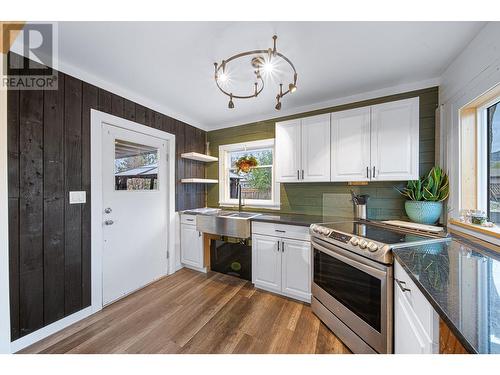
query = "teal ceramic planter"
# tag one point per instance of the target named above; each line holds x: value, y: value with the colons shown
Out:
x: 424, y: 212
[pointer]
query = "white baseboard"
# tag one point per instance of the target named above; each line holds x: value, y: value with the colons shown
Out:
x: 178, y: 267
x: 203, y: 269
x: 46, y: 331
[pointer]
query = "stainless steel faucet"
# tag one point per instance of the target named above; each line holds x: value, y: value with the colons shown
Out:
x: 238, y: 188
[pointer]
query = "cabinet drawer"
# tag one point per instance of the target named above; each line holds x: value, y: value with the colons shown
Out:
x: 416, y: 301
x: 281, y: 230
x: 188, y: 219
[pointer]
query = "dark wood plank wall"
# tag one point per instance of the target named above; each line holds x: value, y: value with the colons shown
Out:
x: 49, y: 155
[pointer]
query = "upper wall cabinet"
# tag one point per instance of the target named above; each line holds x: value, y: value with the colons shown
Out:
x: 303, y: 149
x: 316, y: 148
x: 288, y: 151
x: 351, y: 145
x: 375, y: 143
x: 394, y: 140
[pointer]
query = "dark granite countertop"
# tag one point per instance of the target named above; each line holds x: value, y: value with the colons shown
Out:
x: 279, y: 218
x: 296, y: 219
x: 461, y: 280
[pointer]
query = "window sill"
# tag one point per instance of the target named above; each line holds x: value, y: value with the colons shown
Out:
x: 483, y: 233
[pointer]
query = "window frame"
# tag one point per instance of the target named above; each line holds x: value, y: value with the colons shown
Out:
x: 224, y: 167
x: 483, y: 152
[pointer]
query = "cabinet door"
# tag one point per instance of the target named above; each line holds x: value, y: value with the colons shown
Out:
x: 191, y: 246
x: 296, y: 269
x: 394, y: 141
x: 288, y: 151
x: 315, y: 149
x: 350, y: 145
x: 266, y: 262
x: 409, y: 335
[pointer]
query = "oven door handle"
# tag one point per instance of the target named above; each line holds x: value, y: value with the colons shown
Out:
x: 379, y: 274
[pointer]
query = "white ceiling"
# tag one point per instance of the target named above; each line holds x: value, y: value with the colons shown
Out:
x: 169, y: 65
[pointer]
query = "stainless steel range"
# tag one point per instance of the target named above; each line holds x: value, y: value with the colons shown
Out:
x: 353, y: 279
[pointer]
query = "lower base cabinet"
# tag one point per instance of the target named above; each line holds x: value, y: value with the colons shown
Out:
x: 192, y: 247
x: 416, y: 324
x: 282, y: 265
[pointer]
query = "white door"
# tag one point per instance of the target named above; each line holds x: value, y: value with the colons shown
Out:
x: 315, y: 149
x: 351, y: 145
x: 296, y: 269
x: 266, y: 262
x: 409, y: 337
x: 191, y: 246
x: 394, y: 142
x: 134, y: 187
x: 288, y: 151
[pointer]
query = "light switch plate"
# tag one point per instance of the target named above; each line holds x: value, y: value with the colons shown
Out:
x: 77, y: 197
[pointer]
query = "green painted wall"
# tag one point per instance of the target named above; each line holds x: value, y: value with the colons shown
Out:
x: 307, y: 198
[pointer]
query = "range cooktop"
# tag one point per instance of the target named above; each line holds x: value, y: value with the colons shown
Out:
x: 373, y: 240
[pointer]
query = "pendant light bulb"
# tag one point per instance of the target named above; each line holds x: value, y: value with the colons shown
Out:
x: 230, y: 104
x: 292, y: 88
x: 278, y: 104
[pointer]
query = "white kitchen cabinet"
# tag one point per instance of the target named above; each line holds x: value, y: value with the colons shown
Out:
x: 288, y: 151
x: 266, y: 262
x: 303, y: 149
x: 191, y: 246
x: 280, y: 264
x: 296, y: 269
x: 416, y: 324
x: 315, y: 150
x: 374, y: 143
x: 395, y: 140
x: 350, y: 145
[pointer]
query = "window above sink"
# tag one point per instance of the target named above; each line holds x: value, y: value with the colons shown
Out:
x: 259, y: 186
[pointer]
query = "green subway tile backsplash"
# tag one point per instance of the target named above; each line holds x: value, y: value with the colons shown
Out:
x: 331, y: 198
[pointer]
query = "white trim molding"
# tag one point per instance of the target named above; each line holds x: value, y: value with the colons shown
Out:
x: 46, y: 331
x: 99, y: 118
x: 4, y: 226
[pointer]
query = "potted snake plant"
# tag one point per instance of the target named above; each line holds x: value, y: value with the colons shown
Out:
x: 425, y: 196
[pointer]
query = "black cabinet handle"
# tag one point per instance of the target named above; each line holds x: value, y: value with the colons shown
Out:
x: 302, y: 174
x: 298, y: 174
x: 367, y: 172
x: 373, y: 171
x: 402, y: 285
x: 278, y: 246
x: 282, y: 247
x: 280, y: 231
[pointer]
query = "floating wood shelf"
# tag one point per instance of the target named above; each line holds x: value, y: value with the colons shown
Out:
x: 199, y: 181
x: 199, y: 157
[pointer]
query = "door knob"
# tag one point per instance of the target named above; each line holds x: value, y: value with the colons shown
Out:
x: 109, y: 222
x: 108, y: 210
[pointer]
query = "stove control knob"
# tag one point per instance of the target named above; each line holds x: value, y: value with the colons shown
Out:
x: 354, y: 241
x: 314, y: 228
x: 372, y: 247
x: 363, y: 244
x: 326, y: 231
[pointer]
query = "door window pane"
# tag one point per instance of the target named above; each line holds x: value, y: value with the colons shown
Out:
x: 494, y: 163
x: 136, y: 166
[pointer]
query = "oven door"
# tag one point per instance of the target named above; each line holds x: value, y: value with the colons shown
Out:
x: 357, y: 291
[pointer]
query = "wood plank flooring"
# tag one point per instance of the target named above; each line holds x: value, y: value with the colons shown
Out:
x: 191, y: 312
